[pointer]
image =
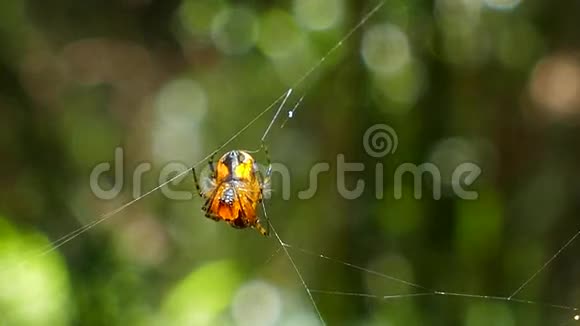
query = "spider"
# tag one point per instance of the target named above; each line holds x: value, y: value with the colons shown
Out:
x: 234, y: 189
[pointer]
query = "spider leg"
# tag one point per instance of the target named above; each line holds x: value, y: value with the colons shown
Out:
x: 267, y: 154
x: 196, y: 182
x: 211, y: 168
x: 264, y: 231
x: 258, y: 226
x: 213, y: 217
x: 264, y: 181
x: 206, y: 207
x: 242, y: 222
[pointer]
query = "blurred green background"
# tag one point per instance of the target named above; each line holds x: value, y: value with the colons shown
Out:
x: 493, y: 82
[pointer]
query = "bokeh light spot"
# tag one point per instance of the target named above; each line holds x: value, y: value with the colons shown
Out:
x: 385, y: 49
x: 33, y: 290
x: 503, y: 5
x: 142, y: 232
x: 180, y: 106
x: 519, y: 45
x: 235, y: 30
x: 459, y: 23
x: 196, y: 16
x: 257, y: 303
x: 449, y: 153
x: 280, y: 36
x: 458, y: 11
x: 318, y: 14
x: 202, y: 295
x: 401, y: 89
x: 555, y: 85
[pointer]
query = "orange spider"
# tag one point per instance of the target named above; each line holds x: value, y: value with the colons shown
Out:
x: 234, y: 189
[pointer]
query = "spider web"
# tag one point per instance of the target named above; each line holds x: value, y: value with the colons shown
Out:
x: 289, y: 249
x: 422, y: 291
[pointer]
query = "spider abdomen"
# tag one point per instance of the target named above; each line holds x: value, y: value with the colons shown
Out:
x: 237, y: 188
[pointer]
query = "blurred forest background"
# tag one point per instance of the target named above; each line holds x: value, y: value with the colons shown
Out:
x: 494, y: 82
